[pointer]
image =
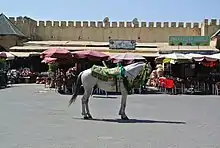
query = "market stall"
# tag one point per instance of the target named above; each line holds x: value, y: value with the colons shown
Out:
x: 194, y: 72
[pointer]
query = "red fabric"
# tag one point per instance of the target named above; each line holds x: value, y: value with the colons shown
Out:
x: 90, y: 54
x: 209, y: 63
x: 162, y: 82
x: 56, y: 53
x: 169, y: 83
x: 166, y: 83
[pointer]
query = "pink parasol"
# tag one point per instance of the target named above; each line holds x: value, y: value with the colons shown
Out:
x: 56, y: 53
x: 126, y: 57
x: 49, y: 60
x: 91, y: 55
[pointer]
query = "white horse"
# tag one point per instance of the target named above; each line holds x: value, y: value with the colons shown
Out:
x: 86, y: 79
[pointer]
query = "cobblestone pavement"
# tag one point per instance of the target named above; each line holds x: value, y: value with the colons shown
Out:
x: 31, y: 116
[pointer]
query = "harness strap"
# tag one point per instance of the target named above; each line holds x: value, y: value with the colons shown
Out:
x: 116, y: 84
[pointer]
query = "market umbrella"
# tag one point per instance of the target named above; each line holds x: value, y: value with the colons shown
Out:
x: 195, y: 55
x: 56, y: 53
x: 126, y: 58
x: 49, y: 60
x: 7, y: 55
x: 213, y: 57
x: 201, y: 57
x: 173, y: 58
x: 90, y: 54
x: 216, y: 56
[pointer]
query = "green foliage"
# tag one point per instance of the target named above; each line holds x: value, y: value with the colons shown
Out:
x: 2, y: 63
x: 2, y: 60
x: 52, y: 67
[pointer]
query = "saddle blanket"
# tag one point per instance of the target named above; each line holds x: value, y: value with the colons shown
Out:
x: 104, y: 73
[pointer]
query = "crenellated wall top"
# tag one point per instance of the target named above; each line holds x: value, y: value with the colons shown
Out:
x: 101, y: 24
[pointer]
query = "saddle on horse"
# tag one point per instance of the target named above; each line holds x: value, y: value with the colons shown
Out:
x: 106, y: 74
x: 109, y: 74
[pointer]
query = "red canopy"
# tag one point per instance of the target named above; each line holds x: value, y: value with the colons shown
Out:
x: 2, y: 55
x: 56, y: 53
x: 7, y: 55
x: 91, y: 55
x: 49, y: 60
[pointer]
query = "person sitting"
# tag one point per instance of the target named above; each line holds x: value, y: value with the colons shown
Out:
x: 152, y: 79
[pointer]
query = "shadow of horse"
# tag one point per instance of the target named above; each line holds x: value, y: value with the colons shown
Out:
x: 134, y: 121
x: 104, y: 97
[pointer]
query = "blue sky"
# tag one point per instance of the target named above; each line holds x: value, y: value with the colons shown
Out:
x: 116, y: 10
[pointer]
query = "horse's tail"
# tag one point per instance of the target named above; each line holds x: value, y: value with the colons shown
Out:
x: 77, y: 88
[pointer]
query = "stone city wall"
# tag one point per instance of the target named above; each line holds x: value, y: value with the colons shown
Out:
x: 102, y: 32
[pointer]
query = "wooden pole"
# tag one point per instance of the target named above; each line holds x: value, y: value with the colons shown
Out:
x: 103, y: 62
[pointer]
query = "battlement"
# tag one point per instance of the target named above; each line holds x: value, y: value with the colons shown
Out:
x: 22, y: 20
x: 101, y: 24
x: 103, y: 31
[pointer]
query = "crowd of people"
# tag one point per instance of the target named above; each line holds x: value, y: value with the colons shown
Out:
x: 155, y: 75
x: 63, y: 80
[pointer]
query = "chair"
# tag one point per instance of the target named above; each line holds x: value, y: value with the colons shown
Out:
x: 169, y: 84
x: 161, y: 84
x: 179, y: 87
x: 217, y: 88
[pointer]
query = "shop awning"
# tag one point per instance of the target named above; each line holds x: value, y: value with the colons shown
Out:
x: 150, y: 54
x: 102, y: 49
x: 25, y: 54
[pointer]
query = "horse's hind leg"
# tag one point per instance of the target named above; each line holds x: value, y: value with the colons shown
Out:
x: 83, y: 106
x: 86, y: 104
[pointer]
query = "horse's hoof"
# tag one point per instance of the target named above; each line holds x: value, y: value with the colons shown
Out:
x: 85, y: 117
x: 89, y: 116
x: 124, y: 117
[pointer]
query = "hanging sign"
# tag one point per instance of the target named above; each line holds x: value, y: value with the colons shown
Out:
x: 122, y: 44
x: 189, y: 40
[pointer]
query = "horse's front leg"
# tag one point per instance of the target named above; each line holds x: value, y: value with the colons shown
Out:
x: 123, y: 104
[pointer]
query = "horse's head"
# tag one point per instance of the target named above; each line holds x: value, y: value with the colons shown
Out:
x: 133, y: 70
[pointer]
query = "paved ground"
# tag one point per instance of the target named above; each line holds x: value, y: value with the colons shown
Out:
x: 32, y: 117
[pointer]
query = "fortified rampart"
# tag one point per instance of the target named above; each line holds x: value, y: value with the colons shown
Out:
x: 100, y: 31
